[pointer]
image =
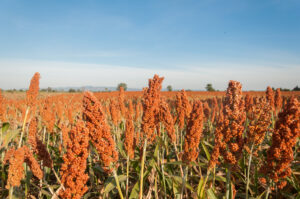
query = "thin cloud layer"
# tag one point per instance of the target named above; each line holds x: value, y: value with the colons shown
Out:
x: 60, y: 74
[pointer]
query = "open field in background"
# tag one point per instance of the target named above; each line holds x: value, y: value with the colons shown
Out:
x: 139, y: 94
x: 150, y: 144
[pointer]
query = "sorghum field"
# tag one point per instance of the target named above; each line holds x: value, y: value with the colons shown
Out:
x: 150, y: 144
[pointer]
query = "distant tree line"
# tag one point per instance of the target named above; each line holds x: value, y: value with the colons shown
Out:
x: 297, y: 88
x: 208, y: 87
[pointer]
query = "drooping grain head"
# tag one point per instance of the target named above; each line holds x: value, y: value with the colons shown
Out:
x: 99, y: 131
x: 280, y: 155
x: 194, y: 132
x: 151, y: 102
x: 259, y: 117
x: 129, y: 135
x: 115, y: 112
x: 37, y: 146
x: 16, y: 158
x: 48, y: 114
x: 278, y: 99
x: 72, y: 172
x: 167, y: 119
x: 229, y: 141
x: 121, y: 101
x: 33, y: 90
x: 183, y: 108
x: 270, y: 97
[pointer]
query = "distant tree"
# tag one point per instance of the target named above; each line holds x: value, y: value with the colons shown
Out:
x: 296, y: 88
x: 169, y: 88
x: 209, y: 87
x: 124, y: 85
x: 50, y: 90
x: 284, y: 89
x: 71, y: 90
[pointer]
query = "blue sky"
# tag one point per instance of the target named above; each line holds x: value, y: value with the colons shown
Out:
x: 191, y: 43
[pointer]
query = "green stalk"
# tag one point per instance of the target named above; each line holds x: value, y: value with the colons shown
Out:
x: 91, y: 173
x: 267, y: 194
x: 118, y: 184
x: 181, y: 139
x: 127, y: 176
x: 163, y: 173
x: 248, y: 172
x: 155, y: 188
x: 23, y: 127
x: 228, y: 186
x: 48, y: 140
x: 205, y: 181
x: 183, y: 181
x: 27, y: 181
x: 142, y: 170
x: 44, y: 134
x: 11, y: 191
x: 2, y: 174
x: 162, y: 162
x: 178, y: 159
x: 214, y: 176
x: 41, y: 180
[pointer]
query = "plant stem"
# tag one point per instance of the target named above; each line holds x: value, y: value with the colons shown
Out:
x: 118, y: 184
x: 205, y: 181
x: 127, y: 176
x: 2, y: 174
x: 11, y: 190
x: 27, y: 181
x: 183, y: 181
x: 163, y: 173
x: 181, y: 139
x: 180, y: 166
x: 142, y: 170
x: 48, y: 140
x: 267, y: 194
x: 214, y: 176
x: 23, y: 127
x: 228, y: 191
x: 248, y: 172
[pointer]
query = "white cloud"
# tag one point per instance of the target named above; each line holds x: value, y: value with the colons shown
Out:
x: 17, y: 74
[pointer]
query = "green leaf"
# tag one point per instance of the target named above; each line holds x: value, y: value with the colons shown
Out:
x: 220, y: 178
x: 294, y: 182
x: 211, y: 194
x: 5, y: 127
x: 208, y: 144
x: 200, y: 184
x: 206, y: 151
x: 135, y: 191
x: 156, y: 151
x: 174, y: 163
x: 121, y: 149
x: 47, y: 193
x: 111, y: 183
x: 176, y: 189
x: 8, y: 136
x: 261, y: 195
x: 178, y: 179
